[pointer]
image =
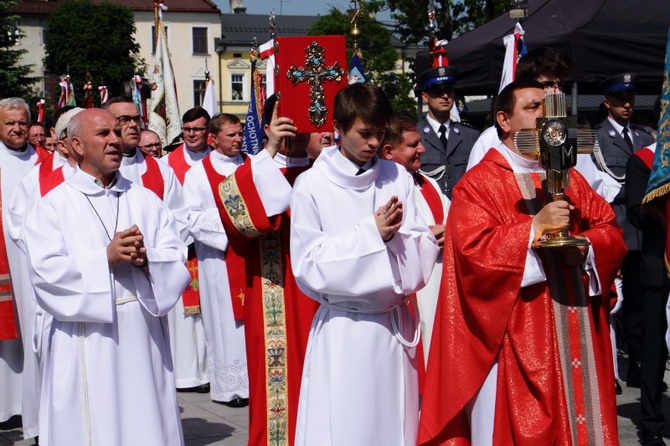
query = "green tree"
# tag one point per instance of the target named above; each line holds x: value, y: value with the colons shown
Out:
x: 379, y: 56
x: 97, y: 39
x: 15, y: 80
x: 452, y: 17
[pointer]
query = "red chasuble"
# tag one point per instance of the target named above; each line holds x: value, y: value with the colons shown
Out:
x: 277, y: 315
x: 551, y: 340
x: 191, y: 295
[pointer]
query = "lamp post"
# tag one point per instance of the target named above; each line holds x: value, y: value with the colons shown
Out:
x: 220, y: 47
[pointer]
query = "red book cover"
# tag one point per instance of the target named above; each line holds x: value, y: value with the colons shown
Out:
x: 310, y: 71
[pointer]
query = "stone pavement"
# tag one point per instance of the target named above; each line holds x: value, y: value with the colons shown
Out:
x: 207, y: 423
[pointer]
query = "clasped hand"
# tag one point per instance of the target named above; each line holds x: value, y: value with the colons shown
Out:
x: 389, y: 218
x: 127, y: 246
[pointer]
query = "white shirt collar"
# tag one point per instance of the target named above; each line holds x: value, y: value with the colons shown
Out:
x: 436, y: 125
x: 518, y: 163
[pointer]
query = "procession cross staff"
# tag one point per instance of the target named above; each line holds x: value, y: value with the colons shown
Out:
x: 557, y: 140
x: 315, y: 73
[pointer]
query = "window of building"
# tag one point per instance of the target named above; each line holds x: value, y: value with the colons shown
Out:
x: 237, y: 87
x: 199, y: 88
x: 200, y: 41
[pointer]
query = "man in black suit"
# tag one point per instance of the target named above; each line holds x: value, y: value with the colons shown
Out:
x: 618, y: 140
x: 448, y: 143
x: 655, y: 288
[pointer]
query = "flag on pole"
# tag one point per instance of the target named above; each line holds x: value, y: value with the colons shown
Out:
x: 104, y: 94
x: 66, y: 92
x: 88, y: 95
x: 514, y: 48
x: 138, y: 97
x: 253, y: 132
x: 209, y: 101
x: 40, y: 110
x: 356, y: 73
x: 267, y: 53
x: 164, y: 118
x: 657, y: 198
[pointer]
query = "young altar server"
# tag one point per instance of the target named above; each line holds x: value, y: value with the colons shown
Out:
x: 358, y: 247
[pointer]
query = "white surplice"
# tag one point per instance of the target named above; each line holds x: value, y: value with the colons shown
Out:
x: 107, y: 368
x: 224, y: 336
x: 35, y: 322
x: 427, y: 296
x: 359, y: 384
x: 13, y: 167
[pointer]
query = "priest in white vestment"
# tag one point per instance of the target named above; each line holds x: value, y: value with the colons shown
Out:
x: 224, y: 333
x: 358, y: 246
x: 107, y: 262
x: 17, y: 157
x: 402, y: 144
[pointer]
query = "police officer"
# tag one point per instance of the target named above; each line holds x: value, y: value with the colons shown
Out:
x: 618, y: 140
x: 447, y: 142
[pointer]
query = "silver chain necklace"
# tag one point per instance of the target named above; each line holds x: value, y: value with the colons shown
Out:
x: 116, y: 222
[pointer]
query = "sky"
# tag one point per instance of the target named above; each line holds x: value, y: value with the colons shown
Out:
x: 293, y: 7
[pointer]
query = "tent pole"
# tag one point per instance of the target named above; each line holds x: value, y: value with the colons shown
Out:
x: 574, y: 99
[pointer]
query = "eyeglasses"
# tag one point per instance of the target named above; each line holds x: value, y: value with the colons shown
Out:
x: 155, y: 145
x: 125, y: 119
x: 194, y: 129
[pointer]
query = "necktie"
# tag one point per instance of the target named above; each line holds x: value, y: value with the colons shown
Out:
x: 360, y: 171
x: 627, y: 138
x: 443, y: 135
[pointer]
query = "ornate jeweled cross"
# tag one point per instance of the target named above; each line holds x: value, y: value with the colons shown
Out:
x: 315, y: 74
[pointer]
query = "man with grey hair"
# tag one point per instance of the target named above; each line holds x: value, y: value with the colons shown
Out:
x: 107, y: 366
x: 17, y: 157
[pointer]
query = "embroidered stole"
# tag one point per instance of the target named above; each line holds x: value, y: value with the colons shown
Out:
x: 432, y: 197
x: 191, y: 295
x: 573, y: 328
x: 8, y: 328
x: 48, y: 176
x: 235, y: 263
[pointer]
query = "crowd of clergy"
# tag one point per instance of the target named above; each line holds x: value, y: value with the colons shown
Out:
x: 376, y: 285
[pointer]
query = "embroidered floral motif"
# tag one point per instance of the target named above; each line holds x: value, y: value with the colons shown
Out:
x: 235, y: 207
x: 275, y: 339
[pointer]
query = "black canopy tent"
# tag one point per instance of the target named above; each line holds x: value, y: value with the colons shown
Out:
x: 602, y: 37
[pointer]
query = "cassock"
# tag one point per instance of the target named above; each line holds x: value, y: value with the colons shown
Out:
x: 35, y: 322
x: 516, y: 329
x: 224, y: 330
x: 107, y: 369
x: 277, y: 315
x: 360, y: 384
x: 13, y: 167
x: 433, y: 207
x: 187, y: 333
